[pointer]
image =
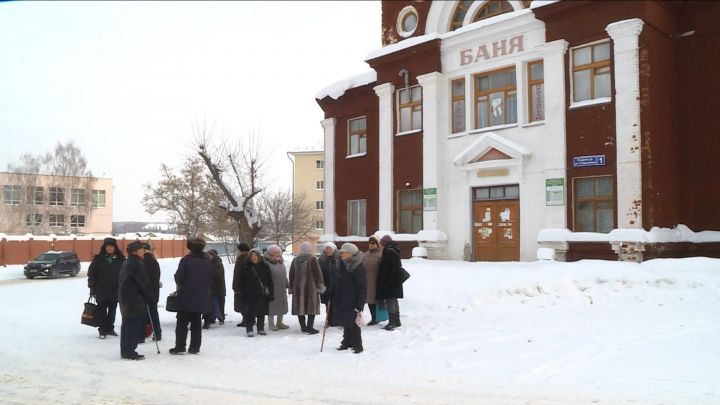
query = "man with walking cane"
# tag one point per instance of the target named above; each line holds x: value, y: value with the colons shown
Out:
x: 134, y: 296
x: 348, y: 297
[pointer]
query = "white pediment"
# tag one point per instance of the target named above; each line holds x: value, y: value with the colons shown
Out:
x: 491, y: 151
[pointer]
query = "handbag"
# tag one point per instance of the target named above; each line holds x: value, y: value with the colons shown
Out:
x: 381, y: 314
x: 404, y: 275
x: 170, y: 302
x: 359, y: 321
x: 91, y: 316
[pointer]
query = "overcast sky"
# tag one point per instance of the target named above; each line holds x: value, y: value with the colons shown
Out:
x: 125, y: 80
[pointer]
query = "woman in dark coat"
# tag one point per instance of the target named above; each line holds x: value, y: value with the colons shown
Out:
x: 253, y: 281
x: 103, y: 276
x: 218, y: 290
x: 240, y: 258
x: 329, y: 260
x: 389, y: 281
x: 194, y: 280
x: 153, y: 269
x: 348, y: 297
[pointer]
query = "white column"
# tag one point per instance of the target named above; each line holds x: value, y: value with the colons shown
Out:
x: 329, y: 193
x: 433, y: 89
x: 553, y: 54
x: 385, y: 156
x: 625, y: 36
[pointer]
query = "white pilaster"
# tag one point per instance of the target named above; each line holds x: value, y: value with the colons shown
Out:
x: 625, y: 36
x: 329, y: 193
x: 433, y: 87
x: 385, y: 156
x: 553, y: 54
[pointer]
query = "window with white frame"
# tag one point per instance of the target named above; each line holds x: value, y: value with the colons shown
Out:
x: 97, y: 198
x: 319, y: 185
x: 536, y: 89
x: 56, y: 220
x: 56, y: 196
x: 77, y: 221
x: 319, y: 224
x: 77, y: 197
x: 458, y: 106
x: 319, y: 164
x: 35, y: 196
x: 33, y: 219
x: 410, y: 109
x: 356, y: 217
x: 12, y: 195
x: 495, y: 98
x: 357, y: 136
x: 591, y: 72
x: 319, y: 205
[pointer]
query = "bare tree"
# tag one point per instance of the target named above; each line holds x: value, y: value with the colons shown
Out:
x: 237, y: 170
x: 188, y: 197
x: 287, y: 218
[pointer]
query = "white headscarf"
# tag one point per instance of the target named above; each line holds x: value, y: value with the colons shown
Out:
x: 330, y: 245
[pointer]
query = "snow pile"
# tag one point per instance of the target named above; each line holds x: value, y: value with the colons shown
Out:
x: 680, y: 233
x: 472, y: 333
x: 337, y: 89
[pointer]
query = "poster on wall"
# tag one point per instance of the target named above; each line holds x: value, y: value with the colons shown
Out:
x: 430, y: 199
x: 554, y: 191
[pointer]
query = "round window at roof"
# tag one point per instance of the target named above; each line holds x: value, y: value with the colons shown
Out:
x: 407, y: 21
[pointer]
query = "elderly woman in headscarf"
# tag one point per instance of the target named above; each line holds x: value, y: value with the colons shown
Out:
x: 306, y: 283
x: 279, y: 306
x: 329, y: 260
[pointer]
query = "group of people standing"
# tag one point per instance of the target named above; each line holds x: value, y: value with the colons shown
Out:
x: 132, y: 282
x: 341, y: 279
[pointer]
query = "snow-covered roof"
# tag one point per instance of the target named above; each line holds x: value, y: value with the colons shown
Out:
x: 539, y: 3
x: 337, y: 89
x: 404, y: 44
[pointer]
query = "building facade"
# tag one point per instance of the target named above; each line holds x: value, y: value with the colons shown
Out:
x: 61, y: 205
x: 309, y: 185
x: 489, y: 129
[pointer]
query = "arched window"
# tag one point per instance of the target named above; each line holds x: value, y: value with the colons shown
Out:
x: 491, y: 8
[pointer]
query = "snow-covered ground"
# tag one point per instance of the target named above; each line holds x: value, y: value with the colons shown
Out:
x: 473, y: 333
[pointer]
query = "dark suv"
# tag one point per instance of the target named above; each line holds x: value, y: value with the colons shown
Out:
x: 52, y: 264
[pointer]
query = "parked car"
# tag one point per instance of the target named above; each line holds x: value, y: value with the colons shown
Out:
x: 52, y: 264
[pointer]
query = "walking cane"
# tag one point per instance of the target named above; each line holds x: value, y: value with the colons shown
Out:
x: 327, y: 319
x: 152, y: 325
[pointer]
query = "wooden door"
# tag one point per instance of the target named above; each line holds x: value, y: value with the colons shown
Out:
x: 496, y: 230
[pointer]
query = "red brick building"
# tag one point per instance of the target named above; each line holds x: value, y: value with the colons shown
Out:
x: 488, y: 129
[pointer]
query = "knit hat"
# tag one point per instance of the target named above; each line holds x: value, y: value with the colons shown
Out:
x: 349, y: 248
x: 373, y: 239
x: 385, y: 240
x: 330, y: 245
x: 305, y: 248
x: 274, y: 249
x: 243, y: 247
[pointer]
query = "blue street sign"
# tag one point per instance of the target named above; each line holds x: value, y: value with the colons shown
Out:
x: 593, y: 160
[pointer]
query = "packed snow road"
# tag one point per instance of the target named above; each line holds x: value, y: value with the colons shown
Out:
x: 473, y: 333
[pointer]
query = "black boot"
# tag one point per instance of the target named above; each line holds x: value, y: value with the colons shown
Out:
x: 373, y: 320
x: 391, y: 322
x: 206, y: 324
x: 303, y: 327
x: 397, y: 320
x: 311, y: 322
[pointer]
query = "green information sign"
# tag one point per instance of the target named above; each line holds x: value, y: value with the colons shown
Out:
x: 554, y: 191
x: 430, y: 199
